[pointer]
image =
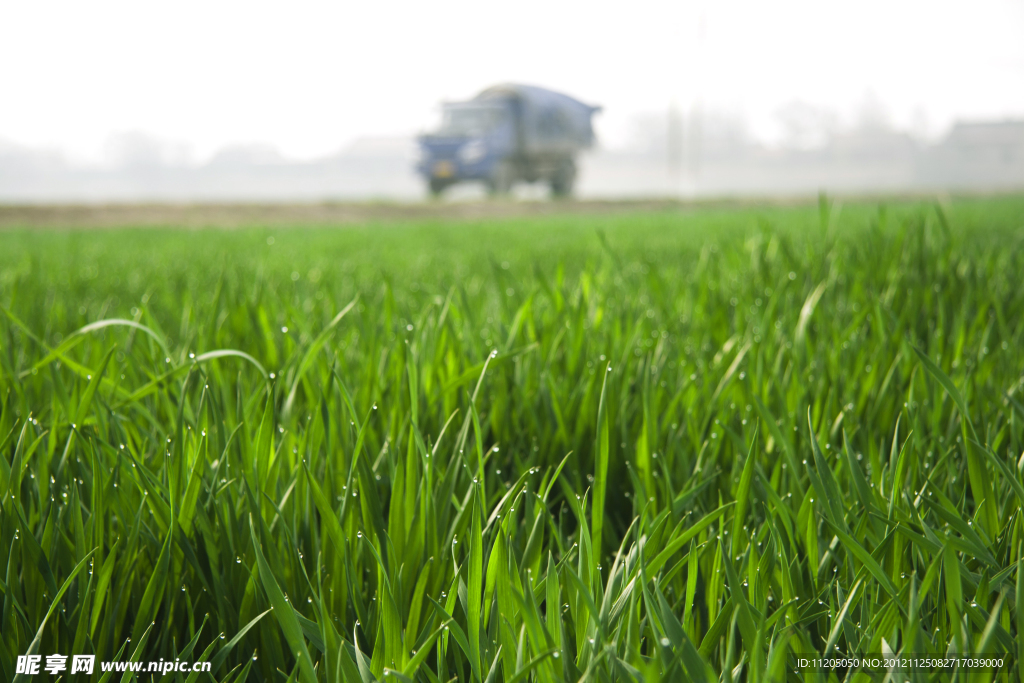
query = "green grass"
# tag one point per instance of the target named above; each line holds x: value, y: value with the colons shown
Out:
x: 664, y: 446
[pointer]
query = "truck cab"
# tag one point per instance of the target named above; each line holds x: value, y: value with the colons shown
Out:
x: 504, y: 135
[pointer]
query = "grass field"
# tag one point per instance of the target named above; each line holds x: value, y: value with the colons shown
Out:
x: 673, y: 444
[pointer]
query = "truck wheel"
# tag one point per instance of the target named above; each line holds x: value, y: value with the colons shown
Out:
x: 563, y: 180
x: 500, y: 182
x: 437, y: 186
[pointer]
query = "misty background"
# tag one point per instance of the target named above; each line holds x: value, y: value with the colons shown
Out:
x: 121, y: 101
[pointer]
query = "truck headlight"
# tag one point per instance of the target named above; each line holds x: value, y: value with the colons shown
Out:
x: 472, y: 151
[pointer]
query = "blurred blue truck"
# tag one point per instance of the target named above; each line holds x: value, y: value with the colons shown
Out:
x: 508, y: 134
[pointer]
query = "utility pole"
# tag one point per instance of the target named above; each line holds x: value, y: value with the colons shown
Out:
x: 694, y: 135
x: 674, y: 145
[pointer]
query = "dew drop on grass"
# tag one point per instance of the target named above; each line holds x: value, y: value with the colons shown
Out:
x: 665, y: 642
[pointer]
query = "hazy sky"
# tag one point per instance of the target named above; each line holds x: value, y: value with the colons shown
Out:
x: 309, y: 77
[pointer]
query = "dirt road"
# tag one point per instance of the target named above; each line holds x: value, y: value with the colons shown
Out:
x: 235, y: 215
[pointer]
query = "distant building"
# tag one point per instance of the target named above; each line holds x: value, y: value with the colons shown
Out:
x: 996, y: 142
x: 987, y: 155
